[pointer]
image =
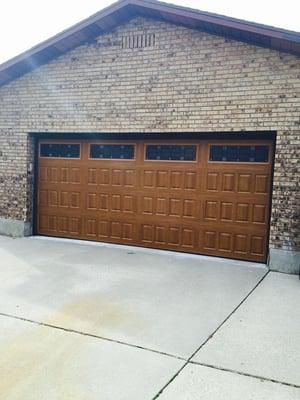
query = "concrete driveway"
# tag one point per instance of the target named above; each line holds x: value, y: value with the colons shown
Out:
x: 90, y: 321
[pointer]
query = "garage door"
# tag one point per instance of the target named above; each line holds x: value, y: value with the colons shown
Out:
x: 207, y: 197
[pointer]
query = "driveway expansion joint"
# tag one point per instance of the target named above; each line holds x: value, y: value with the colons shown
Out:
x: 73, y: 331
x: 210, y: 336
x: 232, y: 371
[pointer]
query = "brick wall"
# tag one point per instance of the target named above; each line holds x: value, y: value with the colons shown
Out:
x: 183, y: 80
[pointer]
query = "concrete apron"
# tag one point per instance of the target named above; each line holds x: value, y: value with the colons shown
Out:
x: 287, y: 261
x: 164, y: 301
x: 92, y: 321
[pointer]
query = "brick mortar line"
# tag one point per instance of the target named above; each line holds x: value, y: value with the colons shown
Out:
x: 211, y: 336
x: 91, y: 335
x: 233, y: 371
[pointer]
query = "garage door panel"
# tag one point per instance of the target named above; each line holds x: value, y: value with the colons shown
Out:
x: 170, y: 180
x: 237, y: 213
x: 59, y: 225
x: 107, y: 202
x: 237, y: 183
x: 169, y: 236
x: 97, y: 228
x: 198, y: 206
x: 108, y: 177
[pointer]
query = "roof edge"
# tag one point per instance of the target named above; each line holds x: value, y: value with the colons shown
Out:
x: 288, y: 41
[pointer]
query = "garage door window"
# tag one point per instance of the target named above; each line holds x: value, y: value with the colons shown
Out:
x: 171, y: 152
x: 234, y: 153
x: 112, y: 151
x: 60, y: 150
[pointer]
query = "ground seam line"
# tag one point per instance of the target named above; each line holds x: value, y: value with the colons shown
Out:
x: 91, y: 335
x: 233, y: 371
x: 214, y: 332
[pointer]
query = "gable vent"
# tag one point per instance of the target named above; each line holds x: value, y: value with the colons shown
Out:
x: 138, y: 41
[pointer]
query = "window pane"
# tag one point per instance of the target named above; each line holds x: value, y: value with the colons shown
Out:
x: 171, y: 152
x: 234, y: 153
x: 60, y: 150
x: 113, y: 151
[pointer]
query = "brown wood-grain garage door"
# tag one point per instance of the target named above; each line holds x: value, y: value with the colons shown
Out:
x: 207, y: 197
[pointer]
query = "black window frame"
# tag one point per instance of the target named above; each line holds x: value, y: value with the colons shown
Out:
x: 43, y: 154
x: 241, y: 153
x: 193, y: 146
x: 111, y: 145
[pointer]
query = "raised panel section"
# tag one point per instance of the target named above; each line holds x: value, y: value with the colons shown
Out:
x: 64, y: 199
x: 129, y: 178
x: 240, y: 244
x: 75, y: 175
x: 162, y: 179
x: 75, y: 200
x: 43, y: 174
x: 176, y: 180
x: 175, y: 207
x: 228, y: 182
x: 75, y: 226
x: 91, y: 227
x: 63, y: 224
x: 149, y: 179
x: 259, y: 213
x: 261, y: 184
x: 210, y: 240
x: 211, y: 210
x: 52, y: 223
x: 189, y: 208
x: 161, y: 206
x: 212, y: 181
x: 116, y: 230
x: 127, y: 231
x: 244, y: 183
x: 257, y: 245
x: 53, y: 175
x: 188, y: 238
x: 190, y: 180
x: 160, y: 234
x: 225, y: 242
x: 242, y: 212
x: 117, y: 175
x: 147, y: 233
x: 64, y: 175
x: 91, y: 202
x: 116, y: 202
x: 103, y: 202
x: 52, y: 198
x: 226, y: 211
x: 174, y: 236
x: 147, y: 205
x: 104, y: 176
x: 92, y: 176
x: 128, y: 204
x: 103, y: 229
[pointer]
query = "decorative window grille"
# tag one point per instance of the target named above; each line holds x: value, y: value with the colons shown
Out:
x: 171, y: 152
x: 235, y: 153
x: 112, y: 151
x: 60, y: 150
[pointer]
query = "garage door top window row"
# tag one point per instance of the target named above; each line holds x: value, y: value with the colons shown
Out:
x: 236, y: 153
x: 60, y: 150
x: 159, y: 152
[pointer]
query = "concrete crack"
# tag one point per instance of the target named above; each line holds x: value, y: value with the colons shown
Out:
x: 214, y: 332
